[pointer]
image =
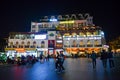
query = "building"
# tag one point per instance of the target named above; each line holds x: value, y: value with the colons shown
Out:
x: 73, y: 34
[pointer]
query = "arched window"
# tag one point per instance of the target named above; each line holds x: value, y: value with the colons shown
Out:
x: 52, y: 17
x: 73, y: 16
x: 81, y: 42
x: 28, y: 43
x: 86, y: 15
x: 96, y: 42
x: 11, y: 43
x: 42, y: 44
x: 34, y: 42
x: 17, y: 43
x: 22, y: 42
x: 59, y: 17
x: 46, y: 18
x: 80, y: 16
x: 88, y: 33
x: 88, y: 42
x: 67, y: 17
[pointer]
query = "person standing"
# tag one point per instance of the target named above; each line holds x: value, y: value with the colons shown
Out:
x: 62, y: 56
x: 41, y: 58
x: 104, y: 57
x: 46, y: 56
x: 57, y: 61
x: 93, y: 56
x: 110, y: 58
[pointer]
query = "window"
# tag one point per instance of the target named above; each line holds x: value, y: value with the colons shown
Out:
x: 11, y: 36
x: 34, y: 42
x: 40, y: 26
x: 88, y: 42
x: 45, y: 25
x: 53, y: 25
x: 28, y: 43
x: 33, y: 30
x: 17, y: 37
x: 22, y: 42
x: 81, y: 42
x: 28, y: 36
x: 11, y: 43
x: 96, y: 42
x: 33, y: 26
x: 17, y: 43
x: 42, y: 44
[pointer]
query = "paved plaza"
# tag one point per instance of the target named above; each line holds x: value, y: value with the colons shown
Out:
x: 75, y: 69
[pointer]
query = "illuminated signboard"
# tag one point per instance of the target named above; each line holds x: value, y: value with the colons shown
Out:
x: 59, y: 41
x: 40, y: 36
x: 53, y: 19
x: 66, y: 22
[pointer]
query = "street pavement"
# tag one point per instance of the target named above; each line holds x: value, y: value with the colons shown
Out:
x: 75, y: 69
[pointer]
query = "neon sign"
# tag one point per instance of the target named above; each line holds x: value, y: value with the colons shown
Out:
x: 40, y: 36
x: 66, y: 22
x: 53, y: 19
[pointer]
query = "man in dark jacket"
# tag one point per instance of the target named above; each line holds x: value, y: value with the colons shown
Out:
x: 104, y: 57
x: 110, y: 57
x: 93, y: 56
x: 62, y: 57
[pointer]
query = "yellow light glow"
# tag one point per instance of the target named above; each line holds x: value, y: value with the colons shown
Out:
x: 66, y: 22
x: 19, y: 49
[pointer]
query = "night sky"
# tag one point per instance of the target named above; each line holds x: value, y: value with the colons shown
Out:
x: 16, y: 16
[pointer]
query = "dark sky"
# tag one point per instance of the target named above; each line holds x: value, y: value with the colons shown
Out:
x: 16, y: 16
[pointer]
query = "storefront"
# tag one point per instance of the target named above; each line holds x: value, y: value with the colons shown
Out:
x: 18, y: 52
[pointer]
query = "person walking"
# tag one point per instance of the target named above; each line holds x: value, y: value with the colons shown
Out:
x: 57, y: 61
x: 62, y: 56
x: 41, y: 58
x: 93, y: 56
x: 110, y: 58
x: 104, y: 57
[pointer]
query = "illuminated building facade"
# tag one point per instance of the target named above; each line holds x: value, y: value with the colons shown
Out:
x: 26, y: 43
x: 75, y: 34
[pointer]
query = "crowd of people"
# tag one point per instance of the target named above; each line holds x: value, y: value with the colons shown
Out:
x: 29, y: 59
x: 59, y: 59
x: 23, y: 60
x: 105, y: 56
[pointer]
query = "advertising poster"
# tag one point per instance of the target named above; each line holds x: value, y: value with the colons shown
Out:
x: 59, y: 45
x: 51, y: 43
